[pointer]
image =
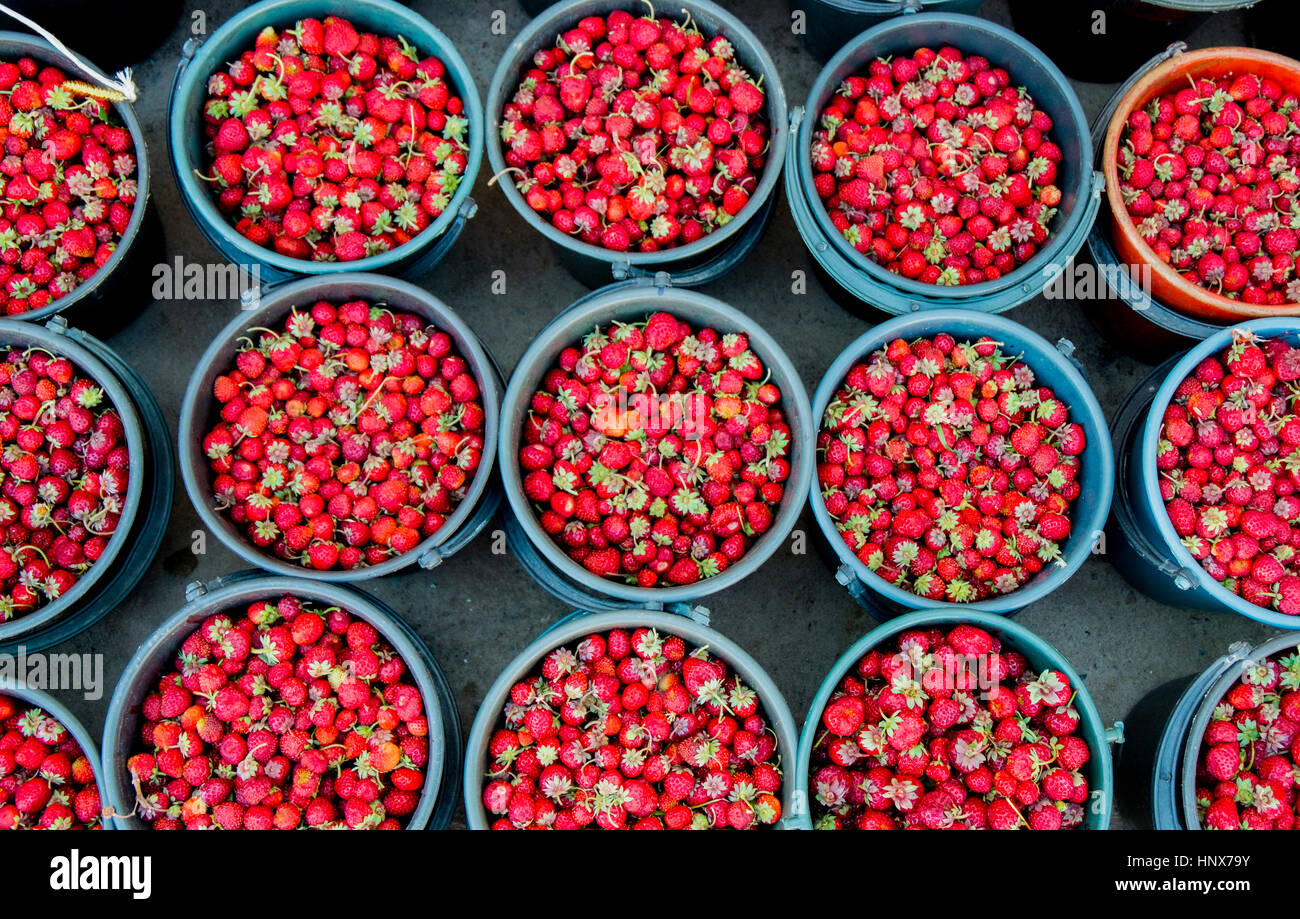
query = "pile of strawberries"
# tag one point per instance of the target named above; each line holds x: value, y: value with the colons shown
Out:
x: 46, y: 781
x: 280, y: 716
x: 1210, y: 175
x: 1249, y: 767
x: 636, y: 133
x: 345, y: 438
x: 936, y: 167
x: 68, y: 180
x: 655, y: 453
x: 328, y: 143
x: 947, y: 470
x: 633, y: 729
x: 947, y: 730
x: 1229, y: 465
x: 64, y: 469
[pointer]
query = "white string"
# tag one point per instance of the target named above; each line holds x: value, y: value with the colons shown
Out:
x: 123, y: 84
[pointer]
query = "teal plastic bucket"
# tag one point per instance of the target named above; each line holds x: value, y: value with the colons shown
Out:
x: 1052, y: 367
x: 61, y: 714
x: 1099, y: 769
x: 1226, y: 673
x: 1173, y: 778
x: 690, y: 265
x: 1194, y: 587
x: 438, y: 796
x: 482, y: 496
x: 147, y: 504
x: 827, y: 22
x: 119, y: 290
x: 882, y: 291
x: 201, y: 58
x: 578, y: 625
x: 634, y: 301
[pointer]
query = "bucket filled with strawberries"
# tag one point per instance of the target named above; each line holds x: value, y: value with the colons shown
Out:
x: 1243, y: 748
x: 48, y: 765
x: 1201, y: 174
x: 941, y: 159
x: 314, y: 140
x: 961, y: 460
x: 75, y: 184
x: 1215, y: 479
x: 346, y: 428
x: 71, y: 480
x: 656, y: 449
x: 955, y: 720
x: 630, y: 720
x: 280, y: 703
x: 632, y: 137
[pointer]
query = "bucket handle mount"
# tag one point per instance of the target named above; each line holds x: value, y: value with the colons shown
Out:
x: 483, y: 514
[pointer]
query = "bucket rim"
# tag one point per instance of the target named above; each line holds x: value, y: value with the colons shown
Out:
x: 581, y: 623
x: 619, y: 301
x: 213, y: 49
x: 1149, y: 493
x: 1021, y: 637
x: 54, y: 337
x: 1063, y: 243
x: 1088, y: 414
x: 278, y: 302
x: 551, y: 21
x: 231, y: 590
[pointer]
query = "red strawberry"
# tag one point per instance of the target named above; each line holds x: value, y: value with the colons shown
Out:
x: 844, y: 716
x: 1222, y: 815
x: 340, y: 38
x: 602, y: 563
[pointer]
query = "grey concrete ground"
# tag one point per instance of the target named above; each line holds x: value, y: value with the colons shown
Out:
x: 479, y: 609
